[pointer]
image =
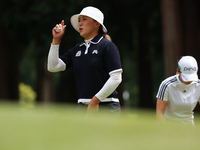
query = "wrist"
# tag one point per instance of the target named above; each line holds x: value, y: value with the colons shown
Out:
x: 96, y: 100
x: 56, y: 41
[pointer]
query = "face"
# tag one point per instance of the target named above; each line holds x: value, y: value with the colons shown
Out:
x: 180, y: 77
x: 88, y: 27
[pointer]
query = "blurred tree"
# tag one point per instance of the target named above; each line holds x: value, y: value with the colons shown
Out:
x: 180, y: 22
x: 30, y: 24
x: 136, y: 29
x: 134, y: 25
x: 9, y: 58
x: 146, y: 31
x: 171, y: 22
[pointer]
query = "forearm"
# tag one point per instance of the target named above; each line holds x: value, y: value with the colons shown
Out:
x: 160, y: 116
x: 160, y: 109
x: 55, y: 64
x: 111, y: 84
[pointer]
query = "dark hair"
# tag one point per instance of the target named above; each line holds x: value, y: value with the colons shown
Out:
x: 104, y: 34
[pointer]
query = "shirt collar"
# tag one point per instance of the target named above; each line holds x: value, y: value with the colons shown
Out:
x: 95, y: 40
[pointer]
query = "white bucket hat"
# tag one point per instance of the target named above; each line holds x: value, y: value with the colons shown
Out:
x: 188, y: 67
x: 91, y: 12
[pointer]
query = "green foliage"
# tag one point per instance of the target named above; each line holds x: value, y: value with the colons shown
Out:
x: 27, y: 96
x: 28, y: 25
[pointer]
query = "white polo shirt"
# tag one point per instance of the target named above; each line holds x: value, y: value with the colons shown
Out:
x: 181, y: 98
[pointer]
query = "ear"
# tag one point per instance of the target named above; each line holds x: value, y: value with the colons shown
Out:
x: 177, y: 71
x: 97, y: 24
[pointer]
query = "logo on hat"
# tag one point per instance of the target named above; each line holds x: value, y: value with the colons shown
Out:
x: 190, y: 69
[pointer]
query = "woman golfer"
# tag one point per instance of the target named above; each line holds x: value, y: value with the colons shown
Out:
x: 179, y: 94
x: 96, y: 61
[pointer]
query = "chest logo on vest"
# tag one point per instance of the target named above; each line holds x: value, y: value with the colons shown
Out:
x: 78, y: 54
x: 95, y: 52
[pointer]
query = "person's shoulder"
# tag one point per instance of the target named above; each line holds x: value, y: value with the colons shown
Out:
x: 170, y: 80
x: 108, y: 44
x: 106, y: 41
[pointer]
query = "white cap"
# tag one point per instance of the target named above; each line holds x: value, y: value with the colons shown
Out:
x: 91, y: 12
x: 188, y: 67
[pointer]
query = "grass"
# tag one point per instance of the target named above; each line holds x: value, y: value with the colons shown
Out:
x: 61, y: 128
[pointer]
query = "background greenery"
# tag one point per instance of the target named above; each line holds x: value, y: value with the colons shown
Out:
x: 136, y: 27
x: 38, y: 112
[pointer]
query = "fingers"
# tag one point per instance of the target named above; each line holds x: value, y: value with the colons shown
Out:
x: 60, y: 27
x: 62, y: 22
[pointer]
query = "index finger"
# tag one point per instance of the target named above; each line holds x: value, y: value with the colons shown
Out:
x: 62, y: 22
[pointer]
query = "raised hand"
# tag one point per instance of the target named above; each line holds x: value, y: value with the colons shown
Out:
x: 58, y: 32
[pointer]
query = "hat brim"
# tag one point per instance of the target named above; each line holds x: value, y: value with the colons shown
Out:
x: 189, y: 77
x: 74, y: 22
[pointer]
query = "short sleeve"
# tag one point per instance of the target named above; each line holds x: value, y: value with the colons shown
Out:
x: 112, y: 57
x: 163, y: 92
